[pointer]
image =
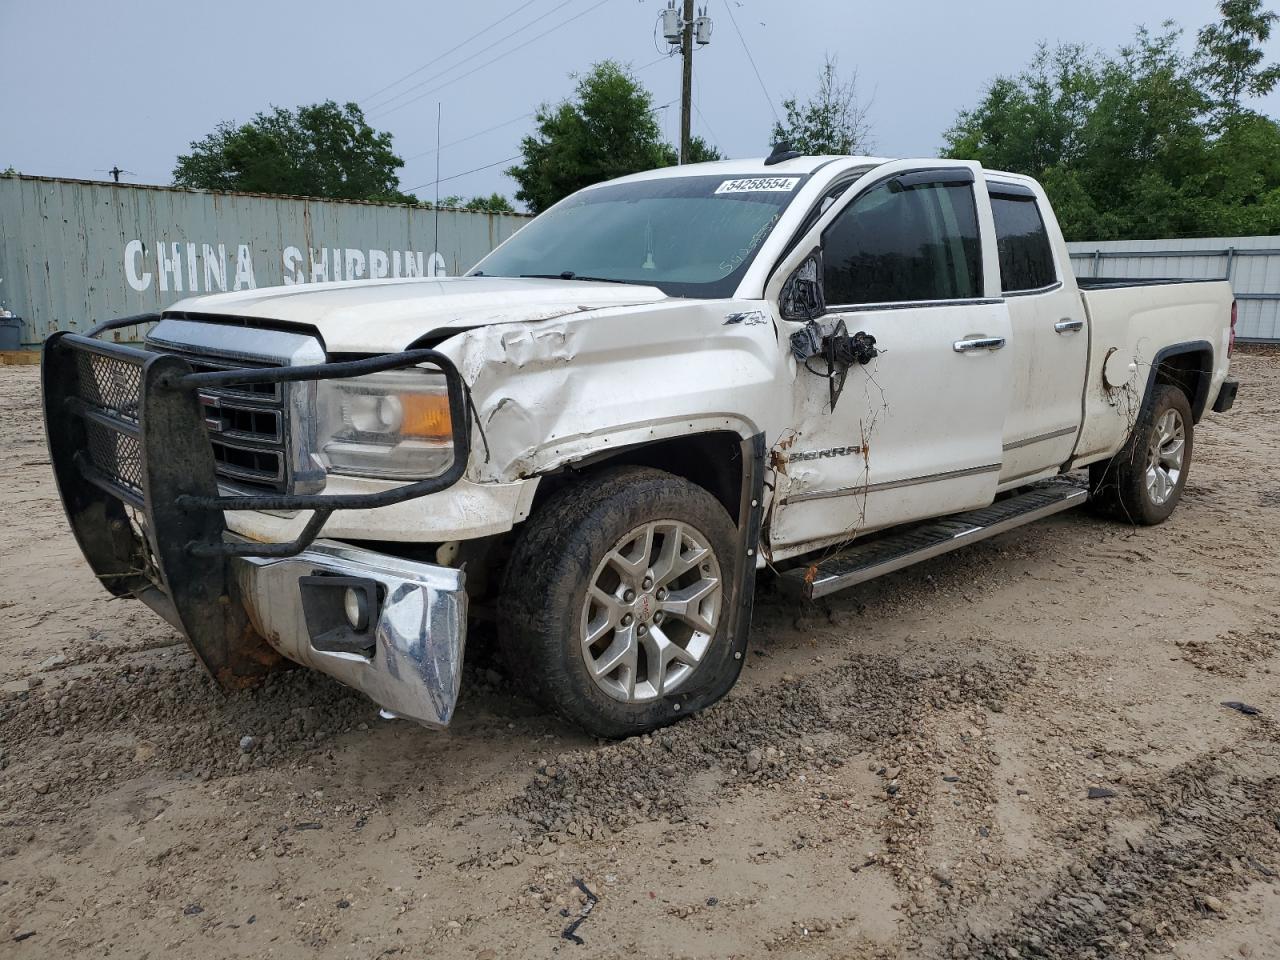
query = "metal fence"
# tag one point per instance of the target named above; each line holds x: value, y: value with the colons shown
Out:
x: 1252, y: 264
x: 74, y: 252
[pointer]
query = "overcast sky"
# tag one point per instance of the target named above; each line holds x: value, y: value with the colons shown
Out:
x: 90, y: 84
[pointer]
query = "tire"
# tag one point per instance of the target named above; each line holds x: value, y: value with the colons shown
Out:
x: 577, y: 540
x: 1140, y: 484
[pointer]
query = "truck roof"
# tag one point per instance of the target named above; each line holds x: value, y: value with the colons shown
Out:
x: 756, y: 166
x: 752, y: 166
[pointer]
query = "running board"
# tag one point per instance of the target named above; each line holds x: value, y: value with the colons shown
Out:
x: 875, y: 558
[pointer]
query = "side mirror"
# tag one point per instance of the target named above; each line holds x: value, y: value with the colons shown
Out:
x: 830, y: 340
x: 802, y: 298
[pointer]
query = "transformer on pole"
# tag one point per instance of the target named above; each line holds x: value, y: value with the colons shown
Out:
x: 683, y: 30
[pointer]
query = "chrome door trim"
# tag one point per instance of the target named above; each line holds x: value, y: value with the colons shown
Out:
x: 891, y: 484
x: 911, y: 304
x: 1052, y: 435
x: 1034, y: 291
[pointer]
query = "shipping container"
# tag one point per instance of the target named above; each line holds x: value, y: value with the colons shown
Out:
x: 76, y: 252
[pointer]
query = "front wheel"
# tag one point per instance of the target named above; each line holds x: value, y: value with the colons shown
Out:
x: 617, y: 600
x: 1143, y: 483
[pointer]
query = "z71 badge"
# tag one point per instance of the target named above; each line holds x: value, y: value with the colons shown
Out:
x: 824, y: 454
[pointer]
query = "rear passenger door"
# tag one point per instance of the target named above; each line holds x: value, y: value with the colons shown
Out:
x: 1049, y: 342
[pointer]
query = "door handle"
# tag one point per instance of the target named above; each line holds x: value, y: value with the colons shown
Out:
x: 1068, y: 325
x: 969, y: 344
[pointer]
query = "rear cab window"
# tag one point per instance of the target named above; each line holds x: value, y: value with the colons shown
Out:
x: 1026, y: 256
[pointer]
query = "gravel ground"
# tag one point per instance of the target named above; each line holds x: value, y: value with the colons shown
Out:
x: 1020, y: 750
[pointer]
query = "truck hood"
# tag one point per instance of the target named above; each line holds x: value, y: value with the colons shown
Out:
x: 369, y: 316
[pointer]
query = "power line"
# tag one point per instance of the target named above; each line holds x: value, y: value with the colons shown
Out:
x: 472, y: 136
x: 508, y: 160
x: 715, y: 141
x: 652, y: 63
x: 464, y: 173
x: 728, y: 5
x: 435, y: 76
x: 697, y: 97
x: 525, y: 116
x: 386, y: 107
x: 488, y: 63
x: 449, y: 52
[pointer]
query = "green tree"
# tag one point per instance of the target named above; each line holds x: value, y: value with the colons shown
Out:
x: 609, y: 129
x: 699, y: 152
x: 1231, y: 54
x: 1036, y: 119
x: 494, y: 203
x: 1150, y: 141
x: 833, y: 120
x: 322, y: 150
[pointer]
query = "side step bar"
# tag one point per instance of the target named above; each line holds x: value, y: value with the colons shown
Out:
x: 875, y: 558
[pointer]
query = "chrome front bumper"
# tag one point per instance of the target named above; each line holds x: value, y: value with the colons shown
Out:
x: 419, y: 627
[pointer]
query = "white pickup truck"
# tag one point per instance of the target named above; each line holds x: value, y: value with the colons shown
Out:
x: 823, y: 367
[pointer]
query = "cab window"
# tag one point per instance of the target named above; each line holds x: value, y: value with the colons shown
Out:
x: 904, y: 240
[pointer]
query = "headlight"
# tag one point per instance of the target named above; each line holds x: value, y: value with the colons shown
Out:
x: 394, y: 424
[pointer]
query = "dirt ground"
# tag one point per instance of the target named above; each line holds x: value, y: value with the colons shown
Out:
x: 902, y: 772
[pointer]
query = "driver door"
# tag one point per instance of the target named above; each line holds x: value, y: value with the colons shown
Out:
x: 916, y: 429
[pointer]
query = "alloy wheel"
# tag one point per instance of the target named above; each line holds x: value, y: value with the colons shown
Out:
x: 1165, y: 457
x: 651, y: 611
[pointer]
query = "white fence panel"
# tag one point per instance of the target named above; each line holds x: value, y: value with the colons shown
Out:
x: 1252, y: 264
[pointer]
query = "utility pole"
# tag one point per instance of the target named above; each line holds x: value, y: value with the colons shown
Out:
x: 683, y: 30
x: 686, y: 80
x: 435, y: 210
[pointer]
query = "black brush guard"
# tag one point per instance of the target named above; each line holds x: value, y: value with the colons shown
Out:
x: 135, y: 469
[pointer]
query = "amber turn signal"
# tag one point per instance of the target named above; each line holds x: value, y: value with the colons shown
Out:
x: 425, y: 416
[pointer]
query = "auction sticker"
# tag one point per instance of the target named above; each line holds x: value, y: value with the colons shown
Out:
x: 759, y: 185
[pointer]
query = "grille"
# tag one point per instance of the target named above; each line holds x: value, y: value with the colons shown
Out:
x: 248, y: 429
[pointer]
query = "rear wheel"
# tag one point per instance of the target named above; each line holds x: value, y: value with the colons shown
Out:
x: 617, y: 599
x: 1143, y: 483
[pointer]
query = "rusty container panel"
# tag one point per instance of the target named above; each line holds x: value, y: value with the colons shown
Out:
x: 75, y: 252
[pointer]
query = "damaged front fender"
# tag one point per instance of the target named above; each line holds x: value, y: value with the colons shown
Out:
x: 553, y: 392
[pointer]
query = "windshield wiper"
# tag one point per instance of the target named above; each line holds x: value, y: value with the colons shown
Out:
x: 570, y: 275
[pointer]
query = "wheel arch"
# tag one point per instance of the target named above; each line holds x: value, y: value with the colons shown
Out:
x: 711, y: 459
x: 1187, y: 366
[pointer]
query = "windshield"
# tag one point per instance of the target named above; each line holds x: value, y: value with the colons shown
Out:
x: 687, y: 236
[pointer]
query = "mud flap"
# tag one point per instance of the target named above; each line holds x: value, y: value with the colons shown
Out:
x: 714, y: 684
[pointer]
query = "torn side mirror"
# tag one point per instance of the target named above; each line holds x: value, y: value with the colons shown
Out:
x: 829, y: 341
x: 802, y: 298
